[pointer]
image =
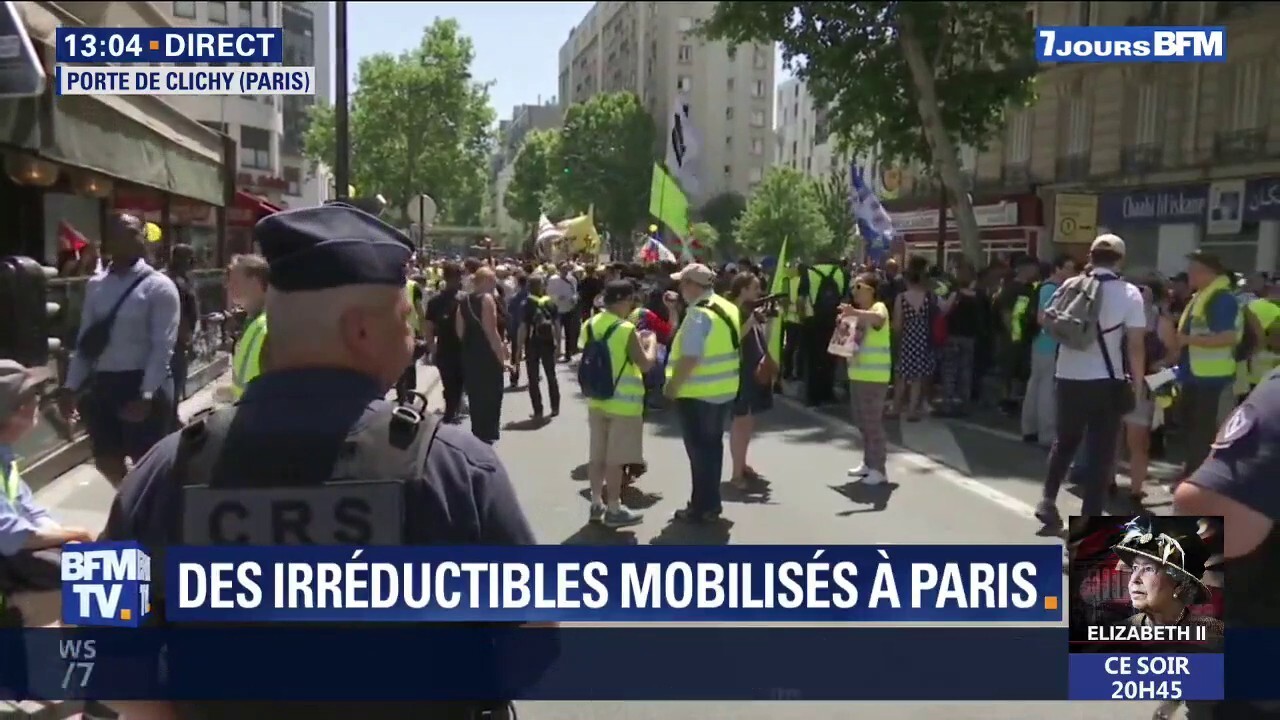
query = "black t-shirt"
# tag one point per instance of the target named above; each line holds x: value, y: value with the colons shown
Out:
x: 588, y: 288
x: 440, y: 311
x: 189, y: 306
x: 533, y: 310
x: 966, y: 315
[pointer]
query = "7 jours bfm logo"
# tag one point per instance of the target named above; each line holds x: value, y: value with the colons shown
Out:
x: 105, y: 584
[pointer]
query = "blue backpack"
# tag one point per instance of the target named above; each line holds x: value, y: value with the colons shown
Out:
x: 595, y: 369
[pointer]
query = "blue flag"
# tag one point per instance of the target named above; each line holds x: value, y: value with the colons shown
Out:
x: 873, y: 220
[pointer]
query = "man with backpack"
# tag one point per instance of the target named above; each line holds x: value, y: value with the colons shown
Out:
x: 538, y: 340
x: 1097, y: 319
x: 1211, y: 327
x: 615, y: 356
x: 824, y: 286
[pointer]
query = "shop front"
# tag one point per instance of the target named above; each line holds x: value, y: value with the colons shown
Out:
x: 1007, y: 227
x: 245, y: 212
x: 1236, y: 219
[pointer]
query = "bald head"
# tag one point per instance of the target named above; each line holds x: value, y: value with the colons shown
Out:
x: 126, y: 239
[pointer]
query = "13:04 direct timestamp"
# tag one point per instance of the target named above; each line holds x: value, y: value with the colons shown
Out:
x: 95, y: 46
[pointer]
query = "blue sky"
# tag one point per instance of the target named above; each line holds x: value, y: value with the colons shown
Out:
x: 517, y: 44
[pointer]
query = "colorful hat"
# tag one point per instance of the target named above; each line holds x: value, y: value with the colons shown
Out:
x: 1171, y: 543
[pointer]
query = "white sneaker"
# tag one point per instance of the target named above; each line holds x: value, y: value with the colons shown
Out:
x: 859, y: 471
x: 874, y: 477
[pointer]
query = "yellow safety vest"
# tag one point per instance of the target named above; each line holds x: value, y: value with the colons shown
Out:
x: 1263, y: 361
x: 1209, y: 362
x: 245, y: 363
x: 874, y: 362
x: 10, y: 482
x: 415, y: 317
x: 1020, y: 307
x: 793, y: 314
x: 818, y: 272
x: 716, y: 375
x: 628, y: 396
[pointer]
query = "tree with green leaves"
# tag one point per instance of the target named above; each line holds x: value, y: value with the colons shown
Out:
x: 962, y: 64
x: 720, y: 212
x: 784, y: 206
x: 607, y: 151
x: 537, y: 168
x: 707, y: 236
x: 833, y: 197
x: 419, y: 124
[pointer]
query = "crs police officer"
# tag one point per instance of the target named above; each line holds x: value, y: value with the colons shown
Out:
x: 1238, y: 482
x: 312, y: 453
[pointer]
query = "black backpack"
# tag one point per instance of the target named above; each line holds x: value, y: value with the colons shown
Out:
x: 829, y: 294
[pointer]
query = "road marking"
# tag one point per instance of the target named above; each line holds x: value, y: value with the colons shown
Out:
x: 1156, y: 468
x: 937, y: 469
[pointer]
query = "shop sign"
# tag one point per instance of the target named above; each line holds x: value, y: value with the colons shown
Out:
x: 1219, y: 205
x: 1262, y: 199
x: 1075, y: 218
x: 1002, y: 214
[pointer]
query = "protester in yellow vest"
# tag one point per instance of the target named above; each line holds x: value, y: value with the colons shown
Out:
x: 1210, y: 328
x: 247, y: 289
x: 794, y: 311
x: 869, y: 375
x: 408, y: 381
x: 1267, y: 357
x: 616, y: 425
x: 825, y: 286
x: 24, y: 525
x: 702, y: 377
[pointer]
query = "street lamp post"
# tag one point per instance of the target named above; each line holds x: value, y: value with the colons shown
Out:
x: 341, y: 116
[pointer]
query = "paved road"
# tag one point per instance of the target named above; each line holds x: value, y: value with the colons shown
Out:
x: 953, y: 486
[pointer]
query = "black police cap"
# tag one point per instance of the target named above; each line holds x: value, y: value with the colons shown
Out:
x: 331, y: 246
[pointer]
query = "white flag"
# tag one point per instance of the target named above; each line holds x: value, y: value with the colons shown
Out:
x: 683, y: 146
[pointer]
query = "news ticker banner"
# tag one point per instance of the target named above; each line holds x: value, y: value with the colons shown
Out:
x: 414, y: 662
x: 1121, y: 44
x: 113, y: 61
x: 111, y: 584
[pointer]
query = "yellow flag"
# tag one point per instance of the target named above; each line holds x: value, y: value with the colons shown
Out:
x: 777, y: 286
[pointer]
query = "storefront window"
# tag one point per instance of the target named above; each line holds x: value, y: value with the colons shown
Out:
x: 1141, y: 246
x: 1238, y: 252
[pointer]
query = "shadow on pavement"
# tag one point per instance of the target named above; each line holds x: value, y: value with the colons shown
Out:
x: 757, y: 492
x: 873, y: 498
x: 632, y: 497
x: 680, y: 533
x: 579, y: 473
x: 527, y: 424
x: 591, y: 534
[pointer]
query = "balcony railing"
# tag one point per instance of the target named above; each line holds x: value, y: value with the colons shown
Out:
x: 1072, y: 168
x: 1239, y: 145
x: 1141, y: 159
x: 208, y: 348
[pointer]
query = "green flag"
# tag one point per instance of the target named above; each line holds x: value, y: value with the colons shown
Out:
x: 668, y: 203
x: 778, y: 286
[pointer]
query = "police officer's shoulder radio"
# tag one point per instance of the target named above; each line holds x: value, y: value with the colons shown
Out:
x: 346, y: 488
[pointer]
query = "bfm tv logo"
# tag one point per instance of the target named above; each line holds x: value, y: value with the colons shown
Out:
x: 105, y: 584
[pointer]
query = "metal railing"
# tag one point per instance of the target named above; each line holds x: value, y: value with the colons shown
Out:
x: 211, y: 341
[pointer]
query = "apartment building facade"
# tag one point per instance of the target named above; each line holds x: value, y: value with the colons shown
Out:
x: 512, y: 133
x: 268, y: 129
x: 649, y: 48
x: 1173, y: 157
x: 803, y: 142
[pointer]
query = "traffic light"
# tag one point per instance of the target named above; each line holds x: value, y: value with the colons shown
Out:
x: 26, y: 314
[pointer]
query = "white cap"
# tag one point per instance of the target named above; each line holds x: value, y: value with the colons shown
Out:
x: 1108, y: 241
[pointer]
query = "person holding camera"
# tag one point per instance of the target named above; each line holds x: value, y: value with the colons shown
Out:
x: 757, y: 372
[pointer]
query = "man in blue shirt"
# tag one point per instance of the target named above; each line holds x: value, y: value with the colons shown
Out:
x: 1209, y: 327
x: 124, y: 394
x: 1039, y: 404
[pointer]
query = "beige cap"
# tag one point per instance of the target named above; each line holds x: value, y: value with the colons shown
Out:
x: 17, y: 383
x: 1109, y: 241
x: 696, y: 273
